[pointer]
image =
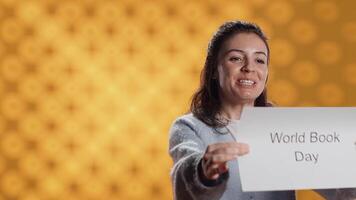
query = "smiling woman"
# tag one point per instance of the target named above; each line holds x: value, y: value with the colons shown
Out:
x: 204, y: 150
x: 242, y: 69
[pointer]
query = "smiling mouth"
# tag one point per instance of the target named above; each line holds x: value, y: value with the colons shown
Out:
x: 246, y: 82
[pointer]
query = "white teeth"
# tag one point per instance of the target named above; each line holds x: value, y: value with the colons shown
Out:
x: 246, y: 82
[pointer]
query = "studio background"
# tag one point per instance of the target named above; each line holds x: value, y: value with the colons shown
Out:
x: 89, y: 89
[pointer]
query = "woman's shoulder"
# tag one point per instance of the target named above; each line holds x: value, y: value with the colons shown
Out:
x: 185, y: 128
x: 189, y: 124
x: 189, y: 120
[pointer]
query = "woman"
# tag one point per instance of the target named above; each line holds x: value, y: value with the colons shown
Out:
x: 201, y: 143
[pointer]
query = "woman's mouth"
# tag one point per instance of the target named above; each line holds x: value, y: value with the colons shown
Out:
x: 246, y: 82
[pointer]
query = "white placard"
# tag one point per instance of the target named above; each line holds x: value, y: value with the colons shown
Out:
x: 298, y: 148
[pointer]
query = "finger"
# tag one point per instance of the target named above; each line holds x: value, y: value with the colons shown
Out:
x: 239, y: 150
x: 215, y: 176
x: 234, y: 150
x: 216, y: 169
x: 215, y: 146
x: 243, y: 145
x: 222, y: 145
x: 209, y: 166
x: 243, y: 150
x: 221, y: 158
x: 213, y: 172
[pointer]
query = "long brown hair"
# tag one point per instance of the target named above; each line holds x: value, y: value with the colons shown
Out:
x: 206, y: 102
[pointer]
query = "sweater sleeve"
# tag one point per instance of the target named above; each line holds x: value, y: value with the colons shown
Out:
x: 338, y: 194
x: 186, y: 150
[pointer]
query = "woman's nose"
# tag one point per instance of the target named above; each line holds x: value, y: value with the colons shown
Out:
x: 247, y: 67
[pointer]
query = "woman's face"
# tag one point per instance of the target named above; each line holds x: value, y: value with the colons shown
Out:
x: 242, y: 68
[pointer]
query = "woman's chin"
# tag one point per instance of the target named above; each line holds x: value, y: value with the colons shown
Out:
x: 246, y: 98
x: 246, y: 95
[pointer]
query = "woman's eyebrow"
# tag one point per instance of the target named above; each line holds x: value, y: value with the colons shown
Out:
x: 231, y: 50
x: 241, y: 51
x: 261, y: 52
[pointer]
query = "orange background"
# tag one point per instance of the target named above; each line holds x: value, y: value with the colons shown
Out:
x: 90, y: 88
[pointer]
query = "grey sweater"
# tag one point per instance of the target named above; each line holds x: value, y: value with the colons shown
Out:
x: 188, y: 140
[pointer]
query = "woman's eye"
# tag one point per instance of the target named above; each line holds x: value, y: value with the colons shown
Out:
x: 235, y: 59
x: 260, y: 61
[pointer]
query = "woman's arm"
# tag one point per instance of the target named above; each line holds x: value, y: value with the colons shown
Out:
x: 186, y: 150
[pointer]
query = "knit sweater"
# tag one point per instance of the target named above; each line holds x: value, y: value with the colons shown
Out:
x: 189, y: 138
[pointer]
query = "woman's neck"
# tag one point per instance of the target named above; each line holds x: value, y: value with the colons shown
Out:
x: 233, y: 111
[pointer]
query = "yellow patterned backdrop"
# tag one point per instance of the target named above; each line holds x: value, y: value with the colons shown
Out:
x: 89, y: 89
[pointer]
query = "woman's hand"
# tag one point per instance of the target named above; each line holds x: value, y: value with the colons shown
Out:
x: 214, y: 162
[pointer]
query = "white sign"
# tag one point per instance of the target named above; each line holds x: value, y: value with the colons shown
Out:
x: 298, y: 148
